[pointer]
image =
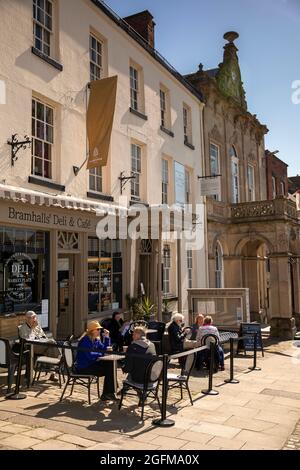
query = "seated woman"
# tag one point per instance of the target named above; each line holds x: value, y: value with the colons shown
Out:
x: 198, y: 322
x: 90, y: 349
x: 114, y: 326
x: 208, y: 329
x: 177, y: 335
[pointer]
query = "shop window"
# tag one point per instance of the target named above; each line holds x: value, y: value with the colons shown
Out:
x: 104, y: 275
x: 24, y: 272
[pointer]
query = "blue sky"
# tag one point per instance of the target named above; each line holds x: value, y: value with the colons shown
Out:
x: 191, y: 31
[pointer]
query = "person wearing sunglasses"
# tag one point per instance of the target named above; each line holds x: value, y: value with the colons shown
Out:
x: 90, y: 349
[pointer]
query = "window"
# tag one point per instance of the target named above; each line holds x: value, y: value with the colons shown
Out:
x: 189, y: 254
x: 187, y: 186
x: 165, y: 181
x: 95, y: 180
x: 282, y: 188
x: 187, y: 125
x: 96, y: 58
x: 136, y: 165
x: 251, y: 183
x: 134, y: 88
x: 235, y: 176
x: 214, y: 164
x: 104, y: 275
x: 166, y: 269
x: 219, y: 266
x: 165, y: 114
x: 274, y: 192
x: 42, y: 139
x: 24, y: 271
x: 43, y: 25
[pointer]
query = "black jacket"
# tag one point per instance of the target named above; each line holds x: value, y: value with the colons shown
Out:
x: 114, y: 329
x: 139, y: 355
x: 176, y: 337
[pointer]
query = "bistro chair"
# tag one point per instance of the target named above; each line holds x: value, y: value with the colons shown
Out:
x: 182, y: 381
x: 156, y: 337
x: 204, y: 356
x: 9, y: 360
x: 149, y: 387
x: 50, y: 364
x: 74, y: 378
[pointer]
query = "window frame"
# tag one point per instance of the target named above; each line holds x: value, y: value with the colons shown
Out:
x: 166, y: 283
x: 95, y: 64
x: 187, y: 124
x: 134, y: 75
x: 136, y: 170
x: 35, y: 138
x: 45, y: 29
x: 187, y: 186
x: 96, y: 175
x: 165, y: 181
x: 189, y: 258
x: 219, y: 266
x: 251, y: 185
x: 274, y: 187
x: 235, y: 176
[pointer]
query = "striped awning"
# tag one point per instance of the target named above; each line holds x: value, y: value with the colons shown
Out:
x: 38, y: 198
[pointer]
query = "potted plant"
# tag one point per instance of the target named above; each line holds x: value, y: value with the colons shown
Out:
x: 148, y: 308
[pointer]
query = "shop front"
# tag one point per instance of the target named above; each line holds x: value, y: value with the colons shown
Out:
x: 52, y: 262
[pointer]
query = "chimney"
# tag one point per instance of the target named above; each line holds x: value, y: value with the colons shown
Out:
x: 143, y: 24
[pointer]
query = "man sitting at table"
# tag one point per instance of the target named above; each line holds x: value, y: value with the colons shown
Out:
x: 32, y: 330
x: 136, y: 366
x: 90, y: 350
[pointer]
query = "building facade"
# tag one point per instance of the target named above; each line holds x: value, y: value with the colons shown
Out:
x: 52, y: 260
x: 277, y: 176
x: 252, y: 242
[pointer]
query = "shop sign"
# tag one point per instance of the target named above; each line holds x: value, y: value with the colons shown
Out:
x: 19, y: 276
x: 45, y: 218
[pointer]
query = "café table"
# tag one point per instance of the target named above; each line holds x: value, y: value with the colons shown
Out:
x: 113, y: 358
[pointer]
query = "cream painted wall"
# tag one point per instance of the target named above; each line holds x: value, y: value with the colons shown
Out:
x: 26, y: 75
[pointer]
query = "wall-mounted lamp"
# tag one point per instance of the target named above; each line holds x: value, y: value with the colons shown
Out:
x: 76, y: 170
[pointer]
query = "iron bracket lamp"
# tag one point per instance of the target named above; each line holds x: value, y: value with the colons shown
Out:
x: 124, y: 179
x: 16, y: 145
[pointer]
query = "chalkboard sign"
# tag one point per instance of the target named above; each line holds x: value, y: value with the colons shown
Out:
x: 248, y: 330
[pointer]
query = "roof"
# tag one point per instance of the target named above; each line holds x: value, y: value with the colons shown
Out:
x: 294, y: 184
x: 142, y: 42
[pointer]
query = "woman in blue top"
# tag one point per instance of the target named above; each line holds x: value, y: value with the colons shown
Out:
x: 87, y: 359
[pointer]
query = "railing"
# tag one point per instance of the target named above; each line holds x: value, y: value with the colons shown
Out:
x: 278, y: 208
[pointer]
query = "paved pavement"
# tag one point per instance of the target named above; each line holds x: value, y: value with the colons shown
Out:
x: 261, y: 412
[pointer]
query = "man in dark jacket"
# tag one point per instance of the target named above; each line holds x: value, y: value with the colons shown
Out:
x: 139, y: 354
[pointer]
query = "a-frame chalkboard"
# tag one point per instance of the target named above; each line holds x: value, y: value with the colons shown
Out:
x: 247, y: 330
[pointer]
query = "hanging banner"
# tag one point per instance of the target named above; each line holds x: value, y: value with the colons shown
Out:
x: 99, y: 120
x: 179, y: 180
x: 210, y: 186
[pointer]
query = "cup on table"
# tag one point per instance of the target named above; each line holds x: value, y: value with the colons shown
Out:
x: 125, y: 349
x: 109, y: 349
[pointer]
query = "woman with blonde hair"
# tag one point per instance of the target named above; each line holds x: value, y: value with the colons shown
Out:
x: 90, y: 349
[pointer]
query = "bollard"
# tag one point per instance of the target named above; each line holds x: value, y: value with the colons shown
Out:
x: 210, y: 390
x: 16, y: 395
x: 231, y: 380
x: 163, y: 421
x: 255, y: 355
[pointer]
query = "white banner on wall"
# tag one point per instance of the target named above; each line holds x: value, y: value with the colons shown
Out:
x: 210, y: 186
x: 179, y: 177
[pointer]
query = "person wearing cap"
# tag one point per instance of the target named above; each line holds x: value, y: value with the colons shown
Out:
x: 90, y: 349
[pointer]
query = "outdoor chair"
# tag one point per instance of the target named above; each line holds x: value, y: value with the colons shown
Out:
x: 9, y: 360
x: 182, y: 381
x: 203, y: 357
x: 156, y: 337
x: 148, y: 388
x: 50, y: 364
x: 74, y: 378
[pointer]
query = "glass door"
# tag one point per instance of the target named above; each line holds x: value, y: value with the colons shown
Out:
x: 65, y: 279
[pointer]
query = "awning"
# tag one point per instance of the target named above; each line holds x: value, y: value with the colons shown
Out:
x: 38, y: 198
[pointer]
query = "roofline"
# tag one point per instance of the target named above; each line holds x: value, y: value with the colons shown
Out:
x: 269, y: 153
x: 142, y: 42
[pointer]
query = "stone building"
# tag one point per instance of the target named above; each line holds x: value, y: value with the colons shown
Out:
x: 277, y: 176
x: 252, y: 241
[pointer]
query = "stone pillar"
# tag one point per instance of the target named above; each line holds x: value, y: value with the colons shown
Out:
x: 282, y: 321
x: 251, y: 280
x: 296, y: 272
x: 53, y: 301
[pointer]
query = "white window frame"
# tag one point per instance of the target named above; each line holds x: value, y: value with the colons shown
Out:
x: 165, y: 112
x: 187, y: 186
x: 282, y: 188
x: 134, y: 87
x: 136, y: 170
x: 96, y: 51
x: 187, y: 124
x: 189, y: 259
x: 274, y: 188
x: 165, y: 181
x: 43, y: 21
x: 214, y: 164
x: 96, y: 180
x: 219, y: 271
x: 251, y: 182
x: 235, y: 176
x: 45, y: 141
x: 166, y: 269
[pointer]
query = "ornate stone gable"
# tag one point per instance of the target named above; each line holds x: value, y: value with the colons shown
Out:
x: 215, y: 134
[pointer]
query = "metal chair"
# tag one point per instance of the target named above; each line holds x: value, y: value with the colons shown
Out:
x: 149, y: 387
x: 9, y: 360
x: 182, y: 381
x: 206, y: 340
x: 47, y: 364
x: 157, y: 337
x: 73, y: 378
